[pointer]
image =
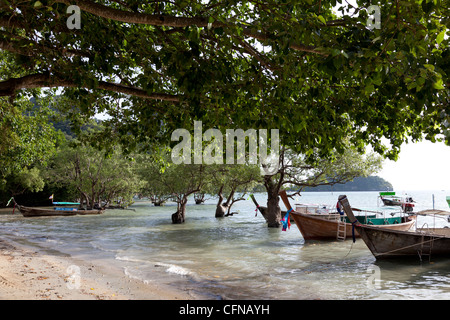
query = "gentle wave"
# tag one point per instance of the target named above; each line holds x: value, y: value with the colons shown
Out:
x: 145, y: 274
x: 129, y: 259
x: 133, y: 275
x: 173, y: 268
x: 143, y: 271
x: 101, y: 248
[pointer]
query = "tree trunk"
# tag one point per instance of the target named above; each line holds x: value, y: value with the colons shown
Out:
x: 233, y: 200
x: 83, y: 195
x: 273, y: 215
x: 273, y: 210
x: 199, y: 198
x: 179, y: 216
x: 220, y: 209
x: 223, y: 208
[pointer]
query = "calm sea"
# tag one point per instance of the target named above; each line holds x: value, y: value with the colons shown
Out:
x: 238, y: 257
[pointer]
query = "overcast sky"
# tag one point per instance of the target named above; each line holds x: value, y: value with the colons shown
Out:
x: 421, y: 166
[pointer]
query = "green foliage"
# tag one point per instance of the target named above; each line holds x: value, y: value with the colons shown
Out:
x: 320, y: 78
x: 26, y: 136
x: 330, y: 85
x: 30, y: 179
x: 164, y: 178
x: 27, y: 140
x: 92, y: 176
x: 25, y: 180
x: 233, y: 177
x: 297, y: 173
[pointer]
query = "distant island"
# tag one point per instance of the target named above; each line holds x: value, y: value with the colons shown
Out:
x: 372, y: 183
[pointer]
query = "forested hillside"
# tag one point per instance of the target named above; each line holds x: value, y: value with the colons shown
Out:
x: 372, y: 183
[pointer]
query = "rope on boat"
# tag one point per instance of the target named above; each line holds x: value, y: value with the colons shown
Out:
x: 351, y: 246
x: 410, y: 246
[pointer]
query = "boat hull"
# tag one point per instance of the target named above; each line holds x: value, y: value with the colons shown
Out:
x: 390, y: 202
x: 386, y: 244
x: 325, y: 227
x: 41, y: 212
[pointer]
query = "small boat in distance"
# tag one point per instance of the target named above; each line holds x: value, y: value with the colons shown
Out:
x: 334, y: 226
x: 387, y: 243
x: 390, y: 199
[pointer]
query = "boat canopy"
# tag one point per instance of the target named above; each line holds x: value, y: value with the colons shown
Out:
x: 387, y: 193
x: 433, y: 212
x: 66, y: 203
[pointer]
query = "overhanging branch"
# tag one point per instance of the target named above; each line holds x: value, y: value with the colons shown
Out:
x: 172, y: 21
x: 10, y: 86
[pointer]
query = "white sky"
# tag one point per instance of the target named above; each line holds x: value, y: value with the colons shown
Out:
x: 421, y: 166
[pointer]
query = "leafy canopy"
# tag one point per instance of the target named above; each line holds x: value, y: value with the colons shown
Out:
x: 27, y: 139
x: 91, y: 176
x: 155, y: 66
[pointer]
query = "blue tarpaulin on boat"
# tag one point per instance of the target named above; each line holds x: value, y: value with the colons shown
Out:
x: 66, y: 209
x: 69, y: 203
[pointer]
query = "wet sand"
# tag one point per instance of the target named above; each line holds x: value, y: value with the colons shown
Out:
x: 27, y: 274
x: 30, y: 275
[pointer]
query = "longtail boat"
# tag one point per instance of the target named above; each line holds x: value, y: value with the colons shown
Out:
x: 42, y: 212
x: 338, y: 227
x: 54, y: 212
x: 390, y: 199
x: 388, y: 243
x: 335, y: 226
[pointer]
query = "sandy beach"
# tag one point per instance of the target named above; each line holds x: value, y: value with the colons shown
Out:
x: 29, y: 275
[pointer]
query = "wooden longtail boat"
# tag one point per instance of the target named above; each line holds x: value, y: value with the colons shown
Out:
x: 388, y: 243
x: 41, y: 212
x: 390, y: 199
x: 53, y: 212
x: 335, y: 226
